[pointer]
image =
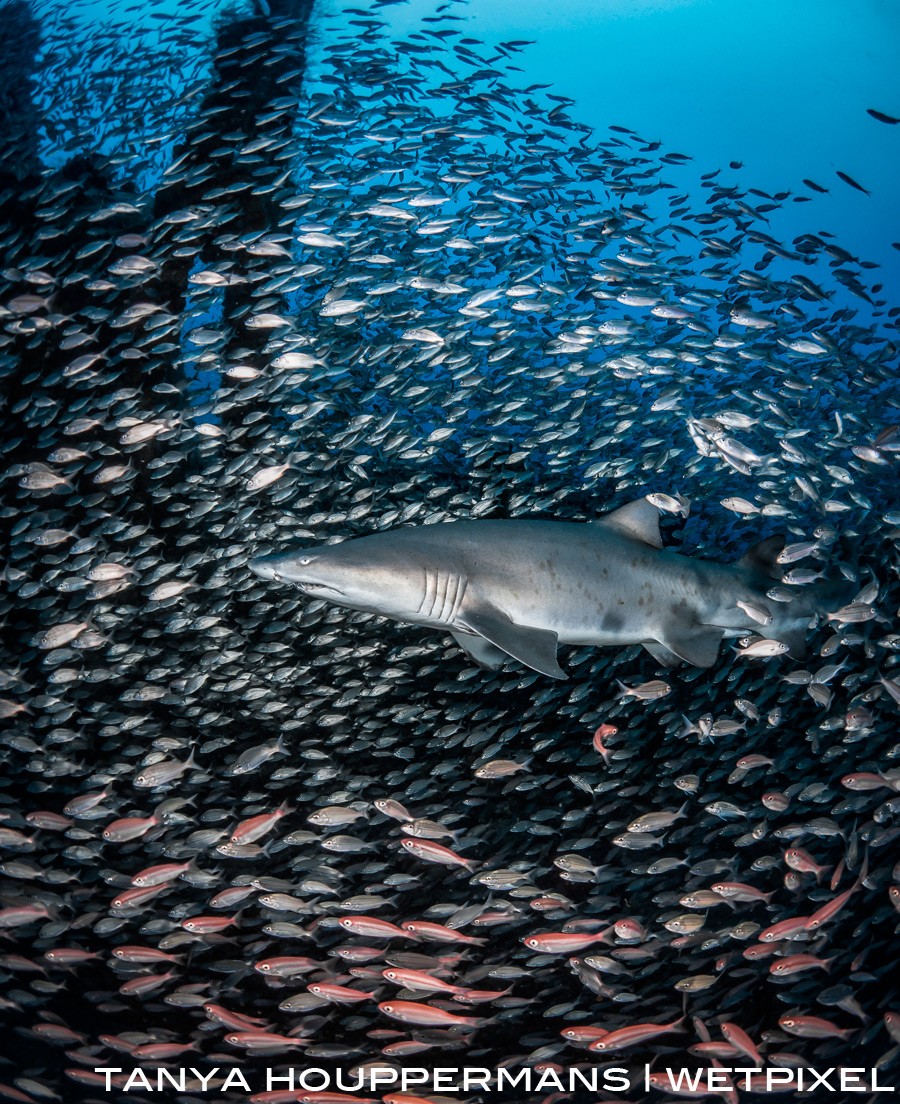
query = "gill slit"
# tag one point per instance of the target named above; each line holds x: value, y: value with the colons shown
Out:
x: 443, y: 598
x: 442, y: 595
x: 462, y: 581
x: 426, y: 595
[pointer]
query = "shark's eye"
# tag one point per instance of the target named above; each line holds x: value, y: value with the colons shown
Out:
x: 304, y: 560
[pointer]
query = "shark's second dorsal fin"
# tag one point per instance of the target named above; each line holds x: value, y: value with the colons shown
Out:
x: 761, y: 558
x: 638, y: 519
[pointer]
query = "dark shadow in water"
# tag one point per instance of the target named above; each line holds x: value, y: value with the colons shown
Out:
x: 246, y: 81
x: 19, y: 121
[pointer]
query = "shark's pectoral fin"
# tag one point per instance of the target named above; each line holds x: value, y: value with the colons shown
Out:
x: 536, y: 648
x: 482, y: 651
x: 662, y: 654
x: 697, y: 644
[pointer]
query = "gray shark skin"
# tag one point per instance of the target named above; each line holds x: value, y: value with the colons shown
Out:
x: 520, y: 588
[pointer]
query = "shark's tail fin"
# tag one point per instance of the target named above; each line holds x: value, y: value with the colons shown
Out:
x: 814, y: 601
x: 762, y: 558
x: 831, y: 593
x: 790, y: 623
x: 794, y: 636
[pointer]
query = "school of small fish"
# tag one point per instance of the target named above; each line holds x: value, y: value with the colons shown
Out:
x: 243, y: 308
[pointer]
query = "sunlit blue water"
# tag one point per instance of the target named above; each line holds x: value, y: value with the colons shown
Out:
x: 779, y: 88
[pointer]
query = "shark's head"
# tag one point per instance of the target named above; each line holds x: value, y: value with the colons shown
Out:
x: 305, y: 568
x: 314, y: 571
x: 361, y: 574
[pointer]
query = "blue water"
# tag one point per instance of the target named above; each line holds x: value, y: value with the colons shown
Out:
x: 781, y: 86
x: 779, y: 89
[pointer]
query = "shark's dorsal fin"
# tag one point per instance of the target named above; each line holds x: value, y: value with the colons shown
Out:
x: 638, y: 519
x: 536, y: 648
x: 761, y: 558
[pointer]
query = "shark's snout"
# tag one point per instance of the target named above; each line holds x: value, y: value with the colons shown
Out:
x: 265, y: 567
x: 292, y: 567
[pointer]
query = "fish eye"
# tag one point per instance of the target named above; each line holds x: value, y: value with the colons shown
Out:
x: 264, y: 967
x: 304, y: 560
x: 315, y: 988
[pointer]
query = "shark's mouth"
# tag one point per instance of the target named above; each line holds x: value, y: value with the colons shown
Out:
x: 318, y: 589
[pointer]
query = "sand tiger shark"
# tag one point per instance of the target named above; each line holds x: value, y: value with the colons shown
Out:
x: 519, y: 588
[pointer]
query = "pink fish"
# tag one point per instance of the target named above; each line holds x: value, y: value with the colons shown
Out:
x: 423, y: 1015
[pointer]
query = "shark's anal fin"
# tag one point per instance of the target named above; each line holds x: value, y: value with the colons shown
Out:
x: 662, y: 654
x: 536, y: 648
x: 697, y: 644
x: 482, y: 651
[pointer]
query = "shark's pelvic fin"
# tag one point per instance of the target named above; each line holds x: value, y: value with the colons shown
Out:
x: 536, y: 648
x: 482, y: 651
x: 761, y: 558
x: 638, y: 519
